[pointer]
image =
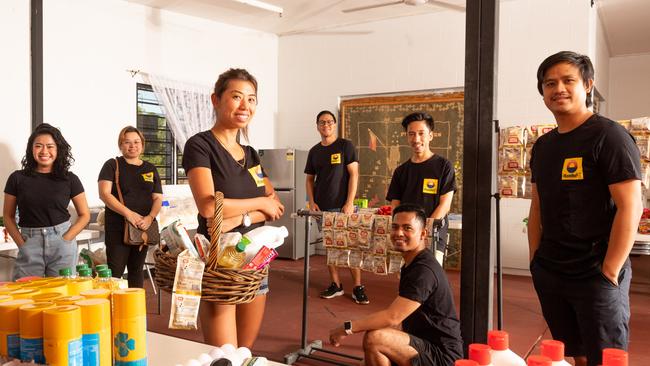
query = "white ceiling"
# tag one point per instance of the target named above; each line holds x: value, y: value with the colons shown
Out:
x: 627, y: 25
x: 626, y: 22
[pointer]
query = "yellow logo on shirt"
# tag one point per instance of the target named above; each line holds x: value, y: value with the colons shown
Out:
x: 148, y: 177
x: 335, y: 158
x: 572, y: 169
x: 258, y: 176
x: 430, y: 186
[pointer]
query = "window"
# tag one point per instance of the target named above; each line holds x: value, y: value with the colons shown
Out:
x: 160, y: 147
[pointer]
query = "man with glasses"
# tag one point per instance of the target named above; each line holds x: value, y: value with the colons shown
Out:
x: 332, y: 175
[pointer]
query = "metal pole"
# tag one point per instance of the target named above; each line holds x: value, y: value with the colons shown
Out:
x: 305, y: 289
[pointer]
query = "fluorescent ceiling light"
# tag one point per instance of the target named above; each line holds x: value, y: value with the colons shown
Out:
x: 262, y: 5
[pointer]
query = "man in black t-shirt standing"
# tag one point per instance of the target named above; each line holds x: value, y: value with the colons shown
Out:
x: 585, y: 209
x: 426, y: 179
x: 332, y: 171
x: 430, y: 332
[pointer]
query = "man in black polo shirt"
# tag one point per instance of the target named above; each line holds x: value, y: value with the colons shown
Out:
x: 332, y: 175
x: 426, y: 178
x: 430, y: 332
x: 585, y: 209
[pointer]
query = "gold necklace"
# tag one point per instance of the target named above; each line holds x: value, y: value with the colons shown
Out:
x: 243, y: 164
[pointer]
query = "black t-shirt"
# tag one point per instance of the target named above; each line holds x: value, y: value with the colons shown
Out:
x: 203, y: 150
x: 425, y: 282
x: 137, y: 182
x: 42, y: 199
x: 572, y: 172
x: 423, y: 184
x: 330, y: 166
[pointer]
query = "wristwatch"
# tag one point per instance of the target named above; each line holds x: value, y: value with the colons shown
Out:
x: 246, y: 219
x: 347, y: 327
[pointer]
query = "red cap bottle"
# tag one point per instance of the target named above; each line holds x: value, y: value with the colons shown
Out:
x: 480, y: 353
x: 465, y: 363
x: 498, y: 340
x: 614, y: 357
x: 553, y: 350
x: 539, y: 360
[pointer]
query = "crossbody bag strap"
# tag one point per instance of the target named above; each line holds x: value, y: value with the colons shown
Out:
x: 117, y: 181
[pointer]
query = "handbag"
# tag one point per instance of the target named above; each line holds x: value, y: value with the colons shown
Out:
x: 133, y: 235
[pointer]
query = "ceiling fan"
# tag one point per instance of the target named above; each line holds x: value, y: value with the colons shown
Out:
x: 438, y: 3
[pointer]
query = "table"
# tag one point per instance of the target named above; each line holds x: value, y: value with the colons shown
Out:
x: 164, y: 350
x: 641, y: 245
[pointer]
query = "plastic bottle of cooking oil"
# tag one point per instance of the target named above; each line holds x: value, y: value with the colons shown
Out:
x: 233, y: 256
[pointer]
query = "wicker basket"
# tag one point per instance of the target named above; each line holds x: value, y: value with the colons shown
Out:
x: 220, y: 285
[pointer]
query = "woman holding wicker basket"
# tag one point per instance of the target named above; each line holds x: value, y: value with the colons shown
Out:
x: 215, y: 161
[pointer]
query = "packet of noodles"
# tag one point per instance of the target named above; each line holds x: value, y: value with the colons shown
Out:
x: 382, y: 223
x: 395, y: 261
x: 343, y: 260
x: 353, y: 238
x: 328, y: 220
x: 328, y: 238
x: 356, y: 258
x: 340, y: 238
x: 367, y: 219
x: 332, y: 256
x: 186, y: 295
x: 380, y: 265
x: 364, y: 238
x: 340, y: 221
x: 354, y: 220
x: 380, y: 244
x: 368, y: 262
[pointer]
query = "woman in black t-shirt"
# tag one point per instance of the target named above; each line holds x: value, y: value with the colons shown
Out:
x: 41, y: 191
x: 215, y: 161
x: 142, y: 193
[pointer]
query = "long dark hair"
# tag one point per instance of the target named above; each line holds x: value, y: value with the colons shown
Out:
x: 63, y: 159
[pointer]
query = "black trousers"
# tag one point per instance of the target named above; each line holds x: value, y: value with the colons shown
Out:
x: 120, y: 256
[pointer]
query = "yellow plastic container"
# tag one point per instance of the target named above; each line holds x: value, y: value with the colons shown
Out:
x: 9, y: 327
x: 62, y: 344
x: 24, y: 293
x: 60, y: 286
x: 4, y: 298
x: 69, y: 300
x: 31, y: 331
x: 96, y: 329
x: 47, y: 297
x: 78, y: 285
x: 129, y: 328
x: 38, y: 284
x: 12, y: 285
x: 97, y: 293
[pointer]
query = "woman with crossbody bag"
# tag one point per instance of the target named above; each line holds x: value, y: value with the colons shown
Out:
x: 140, y: 187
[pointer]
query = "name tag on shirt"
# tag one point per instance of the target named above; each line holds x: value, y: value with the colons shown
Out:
x: 572, y: 169
x: 335, y: 158
x: 430, y: 186
x: 256, y: 173
x: 148, y: 177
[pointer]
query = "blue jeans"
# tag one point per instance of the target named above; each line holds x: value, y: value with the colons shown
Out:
x: 45, y: 251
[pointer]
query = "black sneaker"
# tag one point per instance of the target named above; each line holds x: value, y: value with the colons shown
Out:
x: 332, y: 291
x: 359, y: 295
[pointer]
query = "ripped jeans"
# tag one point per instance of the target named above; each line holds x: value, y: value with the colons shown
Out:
x: 45, y: 251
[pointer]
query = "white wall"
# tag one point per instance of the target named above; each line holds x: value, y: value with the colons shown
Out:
x: 600, y: 56
x: 89, y: 45
x: 530, y: 31
x: 405, y: 54
x: 629, y: 86
x: 15, y: 92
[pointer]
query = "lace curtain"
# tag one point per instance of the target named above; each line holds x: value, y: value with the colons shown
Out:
x: 187, y: 107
